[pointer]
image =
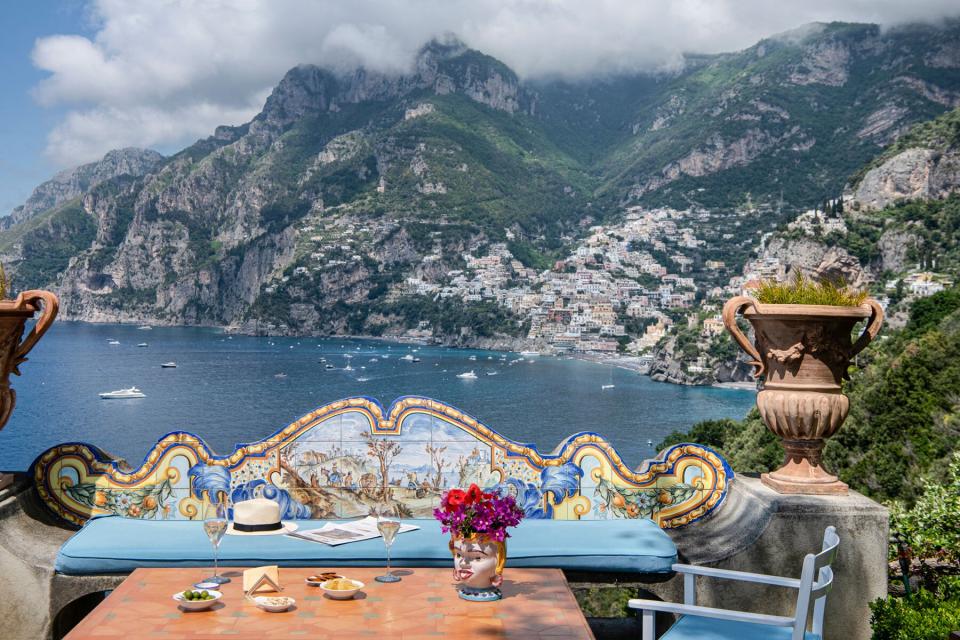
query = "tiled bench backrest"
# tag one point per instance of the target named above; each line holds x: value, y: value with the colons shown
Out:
x: 331, y: 462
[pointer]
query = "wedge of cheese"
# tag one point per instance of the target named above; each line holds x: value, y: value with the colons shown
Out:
x: 252, y: 576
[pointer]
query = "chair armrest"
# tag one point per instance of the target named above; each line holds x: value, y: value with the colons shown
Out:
x: 742, y: 576
x: 710, y: 612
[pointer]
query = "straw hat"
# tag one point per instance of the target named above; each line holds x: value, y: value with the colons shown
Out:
x: 258, y: 517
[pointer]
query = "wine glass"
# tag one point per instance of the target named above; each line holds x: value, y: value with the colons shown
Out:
x: 215, y: 525
x: 388, y: 526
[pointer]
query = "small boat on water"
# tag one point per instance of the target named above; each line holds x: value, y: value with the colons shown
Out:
x: 467, y: 375
x: 280, y: 375
x: 112, y: 341
x: 416, y: 360
x: 143, y: 344
x: 123, y: 394
x: 348, y: 368
x: 607, y: 386
x: 472, y: 358
x: 362, y: 379
x: 145, y: 327
x: 408, y: 358
x: 529, y: 353
x: 329, y: 367
x: 372, y: 360
x: 168, y: 365
x: 491, y: 373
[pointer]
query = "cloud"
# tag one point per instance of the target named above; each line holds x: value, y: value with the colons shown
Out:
x: 163, y: 73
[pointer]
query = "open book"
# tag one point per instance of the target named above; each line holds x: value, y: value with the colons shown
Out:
x: 334, y: 533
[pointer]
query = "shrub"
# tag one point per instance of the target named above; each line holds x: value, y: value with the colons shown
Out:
x: 928, y: 615
x: 932, y: 526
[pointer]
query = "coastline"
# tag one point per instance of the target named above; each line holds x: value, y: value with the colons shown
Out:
x: 636, y: 364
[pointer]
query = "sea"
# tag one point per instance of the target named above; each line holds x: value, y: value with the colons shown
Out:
x: 231, y: 389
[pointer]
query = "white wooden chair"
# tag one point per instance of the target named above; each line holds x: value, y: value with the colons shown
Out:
x: 706, y: 623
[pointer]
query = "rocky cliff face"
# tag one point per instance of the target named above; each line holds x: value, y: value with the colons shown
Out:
x: 913, y: 174
x: 70, y: 184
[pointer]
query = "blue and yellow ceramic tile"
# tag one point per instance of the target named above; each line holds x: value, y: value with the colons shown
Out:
x: 349, y: 457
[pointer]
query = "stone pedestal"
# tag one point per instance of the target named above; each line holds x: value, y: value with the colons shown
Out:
x: 762, y: 531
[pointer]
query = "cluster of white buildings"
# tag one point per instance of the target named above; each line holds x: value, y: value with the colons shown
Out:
x: 582, y: 303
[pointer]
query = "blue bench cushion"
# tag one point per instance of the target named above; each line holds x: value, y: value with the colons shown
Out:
x: 701, y: 628
x: 119, y: 545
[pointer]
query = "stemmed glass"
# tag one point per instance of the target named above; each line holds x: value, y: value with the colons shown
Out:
x: 388, y: 526
x: 215, y: 525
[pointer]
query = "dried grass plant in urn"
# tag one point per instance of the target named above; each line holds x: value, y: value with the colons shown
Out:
x: 802, y: 350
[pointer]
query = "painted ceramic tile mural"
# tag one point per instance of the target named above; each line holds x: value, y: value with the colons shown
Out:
x: 350, y: 457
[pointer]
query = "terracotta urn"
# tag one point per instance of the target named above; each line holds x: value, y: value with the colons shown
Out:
x: 13, y: 352
x: 801, y: 353
x: 478, y: 567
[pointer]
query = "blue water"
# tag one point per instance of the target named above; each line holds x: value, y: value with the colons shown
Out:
x: 225, y: 390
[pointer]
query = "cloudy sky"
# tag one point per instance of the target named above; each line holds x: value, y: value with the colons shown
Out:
x: 86, y: 76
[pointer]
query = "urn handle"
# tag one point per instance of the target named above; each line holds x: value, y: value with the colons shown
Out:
x: 730, y: 311
x: 48, y: 313
x: 873, y: 327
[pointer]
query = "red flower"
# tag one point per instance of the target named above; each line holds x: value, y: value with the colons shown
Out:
x: 474, y: 495
x: 455, y: 498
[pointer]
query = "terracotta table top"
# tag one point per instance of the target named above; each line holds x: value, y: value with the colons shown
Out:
x: 537, y: 603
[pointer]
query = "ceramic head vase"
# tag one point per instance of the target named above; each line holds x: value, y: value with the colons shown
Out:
x: 477, y: 522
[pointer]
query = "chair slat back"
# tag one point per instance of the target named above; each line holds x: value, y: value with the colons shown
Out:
x: 815, y: 565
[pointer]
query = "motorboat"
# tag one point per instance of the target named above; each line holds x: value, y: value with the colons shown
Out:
x: 111, y: 341
x: 145, y: 327
x: 361, y: 379
x: 607, y: 386
x: 416, y: 360
x: 142, y: 344
x: 472, y: 358
x: 348, y: 368
x: 168, y: 365
x: 123, y: 394
x: 491, y: 373
x: 329, y: 367
x: 529, y: 353
x: 280, y: 375
x: 467, y: 375
x: 408, y: 358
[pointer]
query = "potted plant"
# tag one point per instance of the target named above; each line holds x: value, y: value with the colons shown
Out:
x: 802, y: 351
x: 477, y: 523
x: 13, y: 352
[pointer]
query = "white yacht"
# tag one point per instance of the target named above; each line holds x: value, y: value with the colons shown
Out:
x: 607, y: 386
x: 472, y: 358
x: 145, y: 327
x: 123, y: 394
x: 143, y: 344
x: 280, y: 375
x: 528, y: 354
x: 169, y: 365
x: 409, y: 358
x: 112, y: 341
x: 467, y: 375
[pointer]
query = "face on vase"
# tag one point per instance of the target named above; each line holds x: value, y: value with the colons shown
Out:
x: 475, y: 564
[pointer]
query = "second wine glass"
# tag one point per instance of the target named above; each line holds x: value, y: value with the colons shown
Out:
x: 215, y: 525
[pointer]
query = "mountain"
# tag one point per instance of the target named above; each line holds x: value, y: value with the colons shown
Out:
x: 354, y: 200
x: 72, y: 183
x: 794, y: 114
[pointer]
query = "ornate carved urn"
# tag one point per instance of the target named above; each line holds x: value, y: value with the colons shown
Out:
x: 13, y: 318
x: 802, y: 353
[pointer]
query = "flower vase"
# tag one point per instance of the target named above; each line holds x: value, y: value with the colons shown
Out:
x: 478, y: 567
